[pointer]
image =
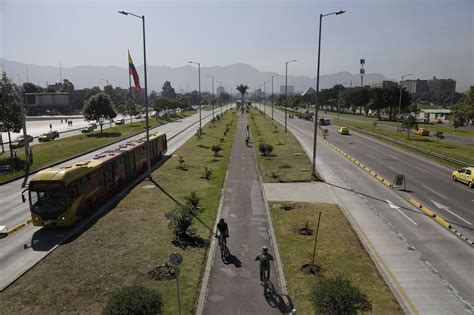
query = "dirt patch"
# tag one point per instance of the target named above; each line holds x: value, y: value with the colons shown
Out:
x: 311, y: 270
x: 163, y: 272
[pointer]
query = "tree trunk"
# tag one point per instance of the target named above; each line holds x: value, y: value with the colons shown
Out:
x: 10, y: 143
x: 100, y: 128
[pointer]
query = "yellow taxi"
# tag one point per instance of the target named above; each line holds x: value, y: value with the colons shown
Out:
x: 343, y: 130
x: 421, y: 132
x: 465, y: 175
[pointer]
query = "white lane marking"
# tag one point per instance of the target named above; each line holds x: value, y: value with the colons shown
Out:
x: 393, y: 206
x: 434, y: 191
x: 440, y: 206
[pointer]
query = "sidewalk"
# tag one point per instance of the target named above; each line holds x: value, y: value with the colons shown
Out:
x: 231, y: 285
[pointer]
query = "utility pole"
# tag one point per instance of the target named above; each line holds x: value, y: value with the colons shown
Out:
x: 273, y: 96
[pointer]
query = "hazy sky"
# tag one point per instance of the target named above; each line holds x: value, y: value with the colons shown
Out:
x: 422, y: 37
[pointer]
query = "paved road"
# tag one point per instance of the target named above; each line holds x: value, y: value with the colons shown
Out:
x: 448, y: 137
x: 445, y: 254
x: 15, y: 259
x: 233, y: 287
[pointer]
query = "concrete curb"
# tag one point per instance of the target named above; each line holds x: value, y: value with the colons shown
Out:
x: 440, y: 220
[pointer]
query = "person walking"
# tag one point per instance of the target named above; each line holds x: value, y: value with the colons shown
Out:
x: 264, y: 261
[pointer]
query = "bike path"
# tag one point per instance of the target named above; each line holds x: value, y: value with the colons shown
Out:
x: 232, y: 284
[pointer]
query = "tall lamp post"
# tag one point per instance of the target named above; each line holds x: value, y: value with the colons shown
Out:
x: 286, y: 92
x: 213, y: 95
x: 147, y: 127
x: 107, y: 81
x: 400, y: 101
x: 199, y: 75
x: 273, y: 97
x: 316, y: 105
x: 264, y: 97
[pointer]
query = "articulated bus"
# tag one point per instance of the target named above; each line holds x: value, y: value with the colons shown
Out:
x: 59, y: 196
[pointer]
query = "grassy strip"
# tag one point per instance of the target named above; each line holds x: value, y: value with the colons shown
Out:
x: 288, y: 161
x: 339, y: 252
x: 131, y: 240
x: 452, y: 149
x: 47, y: 153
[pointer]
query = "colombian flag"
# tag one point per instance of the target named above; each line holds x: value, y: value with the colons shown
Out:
x: 133, y: 72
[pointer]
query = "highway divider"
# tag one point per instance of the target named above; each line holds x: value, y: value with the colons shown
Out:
x: 440, y: 220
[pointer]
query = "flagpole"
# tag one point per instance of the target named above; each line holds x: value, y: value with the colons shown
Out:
x: 129, y: 79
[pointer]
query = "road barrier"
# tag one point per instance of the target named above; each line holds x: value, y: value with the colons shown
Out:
x: 413, y: 147
x: 440, y: 220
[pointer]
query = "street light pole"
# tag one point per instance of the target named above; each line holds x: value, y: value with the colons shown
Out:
x: 316, y: 105
x: 213, y: 95
x: 264, y: 97
x: 199, y: 74
x: 147, y: 127
x: 273, y: 97
x: 400, y: 101
x: 286, y: 92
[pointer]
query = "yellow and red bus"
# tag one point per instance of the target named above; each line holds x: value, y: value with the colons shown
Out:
x: 59, y: 196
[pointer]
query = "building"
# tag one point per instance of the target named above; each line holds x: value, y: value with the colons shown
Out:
x: 384, y: 84
x: 45, y: 102
x: 220, y: 90
x: 258, y: 93
x: 291, y: 89
x: 415, y: 86
x: 441, y: 85
x: 433, y: 114
x: 310, y: 91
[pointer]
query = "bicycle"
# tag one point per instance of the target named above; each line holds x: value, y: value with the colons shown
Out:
x: 222, y: 245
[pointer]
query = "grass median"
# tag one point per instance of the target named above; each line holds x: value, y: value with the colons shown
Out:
x: 339, y: 252
x: 451, y: 149
x: 133, y: 239
x: 287, y: 162
x: 48, y: 153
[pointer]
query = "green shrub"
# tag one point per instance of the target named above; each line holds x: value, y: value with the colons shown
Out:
x: 216, y: 149
x: 134, y: 300
x: 265, y: 148
x: 338, y: 296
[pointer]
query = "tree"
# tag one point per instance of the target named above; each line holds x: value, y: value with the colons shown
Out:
x: 67, y: 86
x: 242, y: 89
x: 29, y: 87
x: 99, y: 107
x: 93, y: 91
x: 134, y: 300
x: 464, y: 113
x: 10, y: 113
x: 338, y: 296
x: 128, y: 108
x: 438, y: 135
x: 168, y: 91
x: 409, y: 123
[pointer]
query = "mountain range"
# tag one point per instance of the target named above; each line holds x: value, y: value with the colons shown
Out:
x: 183, y: 79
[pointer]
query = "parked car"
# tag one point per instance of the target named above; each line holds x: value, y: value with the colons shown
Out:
x: 55, y: 134
x: 324, y: 121
x: 465, y: 175
x: 421, y: 132
x: 47, y: 136
x: 20, y: 138
x: 120, y: 122
x: 87, y: 129
x: 343, y: 130
x: 93, y: 126
x: 20, y: 141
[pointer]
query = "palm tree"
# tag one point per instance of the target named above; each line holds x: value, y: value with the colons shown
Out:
x: 242, y: 89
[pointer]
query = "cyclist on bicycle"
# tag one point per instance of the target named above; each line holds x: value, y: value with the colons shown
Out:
x: 264, y: 260
x: 223, y: 230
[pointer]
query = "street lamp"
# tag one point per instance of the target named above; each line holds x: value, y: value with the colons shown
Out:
x: 264, y: 96
x: 213, y: 95
x: 199, y: 75
x: 286, y: 91
x: 400, y: 101
x: 106, y: 81
x: 147, y: 127
x: 273, y: 97
x: 316, y: 105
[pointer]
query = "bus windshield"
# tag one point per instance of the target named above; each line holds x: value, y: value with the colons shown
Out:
x: 48, y: 200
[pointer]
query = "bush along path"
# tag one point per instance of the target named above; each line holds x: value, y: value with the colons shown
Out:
x: 132, y: 243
